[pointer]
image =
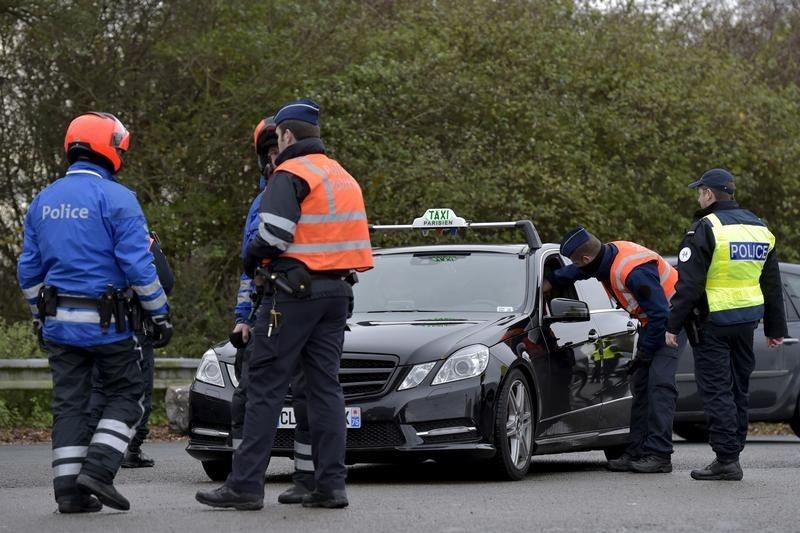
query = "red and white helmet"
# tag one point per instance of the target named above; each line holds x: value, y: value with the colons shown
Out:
x: 97, y: 134
x: 264, y: 136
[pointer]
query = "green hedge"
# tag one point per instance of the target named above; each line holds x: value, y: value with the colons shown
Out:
x: 25, y: 408
x: 552, y: 110
x: 32, y: 409
x: 17, y: 341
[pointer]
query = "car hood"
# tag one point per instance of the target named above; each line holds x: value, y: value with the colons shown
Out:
x: 418, y: 337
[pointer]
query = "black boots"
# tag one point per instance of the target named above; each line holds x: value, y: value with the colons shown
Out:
x: 719, y: 471
x: 652, y: 464
x: 621, y: 464
x: 226, y: 497
x: 136, y: 458
x: 105, y: 492
x: 293, y: 494
x: 78, y: 503
x: 336, y: 499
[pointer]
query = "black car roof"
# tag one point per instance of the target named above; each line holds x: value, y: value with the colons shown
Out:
x: 791, y: 268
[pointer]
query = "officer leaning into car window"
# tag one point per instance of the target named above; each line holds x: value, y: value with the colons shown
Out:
x: 143, y: 330
x: 641, y: 282
x: 729, y: 279
x: 314, y: 234
x: 265, y: 140
x: 85, y: 248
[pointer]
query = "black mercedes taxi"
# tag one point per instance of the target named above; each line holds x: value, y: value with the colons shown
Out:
x: 451, y: 354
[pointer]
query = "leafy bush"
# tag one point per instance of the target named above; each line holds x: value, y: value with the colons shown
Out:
x: 32, y: 409
x: 17, y: 341
x: 555, y: 110
x: 25, y: 409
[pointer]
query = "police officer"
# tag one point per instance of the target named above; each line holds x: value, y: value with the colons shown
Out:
x: 143, y: 330
x: 265, y: 141
x: 641, y: 282
x: 134, y: 456
x: 314, y: 233
x: 85, y: 243
x: 729, y: 280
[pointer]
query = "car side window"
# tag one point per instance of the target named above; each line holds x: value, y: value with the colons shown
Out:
x: 791, y: 284
x: 552, y: 263
x: 592, y: 292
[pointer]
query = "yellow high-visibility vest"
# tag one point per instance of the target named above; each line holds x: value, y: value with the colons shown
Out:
x: 739, y: 255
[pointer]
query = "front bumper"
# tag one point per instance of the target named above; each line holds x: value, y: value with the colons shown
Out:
x: 426, y: 421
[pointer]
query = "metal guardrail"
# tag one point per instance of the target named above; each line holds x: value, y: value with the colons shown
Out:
x: 34, y: 374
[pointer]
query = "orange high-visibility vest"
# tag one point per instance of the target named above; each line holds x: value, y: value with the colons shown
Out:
x: 332, y: 233
x: 629, y: 256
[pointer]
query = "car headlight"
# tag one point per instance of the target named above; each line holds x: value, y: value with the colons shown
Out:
x: 466, y: 363
x: 416, y: 375
x: 209, y: 370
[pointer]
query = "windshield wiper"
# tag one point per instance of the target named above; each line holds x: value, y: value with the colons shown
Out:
x: 392, y: 311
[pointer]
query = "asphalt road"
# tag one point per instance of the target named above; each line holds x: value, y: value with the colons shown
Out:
x: 568, y: 492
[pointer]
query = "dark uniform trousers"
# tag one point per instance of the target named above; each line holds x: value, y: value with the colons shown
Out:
x: 653, y: 409
x: 310, y: 334
x: 76, y: 447
x: 723, y: 362
x: 303, y: 462
x: 148, y: 375
x: 147, y: 366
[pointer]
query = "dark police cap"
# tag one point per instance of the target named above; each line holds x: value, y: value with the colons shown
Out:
x: 573, y: 239
x: 716, y: 178
x: 304, y: 110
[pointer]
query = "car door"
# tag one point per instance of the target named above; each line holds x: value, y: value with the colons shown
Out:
x: 572, y: 400
x: 775, y: 367
x: 617, y: 332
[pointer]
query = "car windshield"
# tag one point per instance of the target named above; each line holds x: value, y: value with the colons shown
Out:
x: 479, y: 282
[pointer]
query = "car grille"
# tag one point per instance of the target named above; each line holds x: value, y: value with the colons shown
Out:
x: 365, y: 374
x: 371, y: 435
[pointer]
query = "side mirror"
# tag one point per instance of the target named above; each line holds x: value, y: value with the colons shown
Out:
x: 566, y: 310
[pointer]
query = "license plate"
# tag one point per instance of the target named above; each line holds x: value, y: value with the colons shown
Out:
x: 352, y: 416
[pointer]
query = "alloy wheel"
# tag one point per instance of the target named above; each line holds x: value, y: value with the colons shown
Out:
x: 519, y: 429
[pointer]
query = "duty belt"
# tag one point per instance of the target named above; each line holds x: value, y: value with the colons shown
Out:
x: 77, y: 302
x: 321, y: 276
x: 337, y: 275
x: 112, y: 303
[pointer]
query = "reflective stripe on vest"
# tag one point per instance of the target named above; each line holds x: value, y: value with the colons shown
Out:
x: 332, y: 233
x: 629, y: 256
x: 739, y: 256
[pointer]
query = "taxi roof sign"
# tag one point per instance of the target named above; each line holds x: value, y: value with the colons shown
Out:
x: 439, y: 218
x: 446, y: 219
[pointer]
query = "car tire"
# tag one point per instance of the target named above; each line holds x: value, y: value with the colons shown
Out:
x: 514, y: 424
x: 794, y: 423
x: 615, y: 452
x: 217, y: 469
x: 691, y: 431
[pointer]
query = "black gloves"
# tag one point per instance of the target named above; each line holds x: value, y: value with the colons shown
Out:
x: 237, y: 339
x: 249, y: 265
x: 162, y: 331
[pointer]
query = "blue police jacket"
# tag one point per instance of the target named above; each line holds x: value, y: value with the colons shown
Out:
x: 243, y: 302
x: 82, y: 233
x: 643, y: 282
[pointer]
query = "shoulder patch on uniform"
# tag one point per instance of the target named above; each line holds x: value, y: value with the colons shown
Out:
x: 685, y: 254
